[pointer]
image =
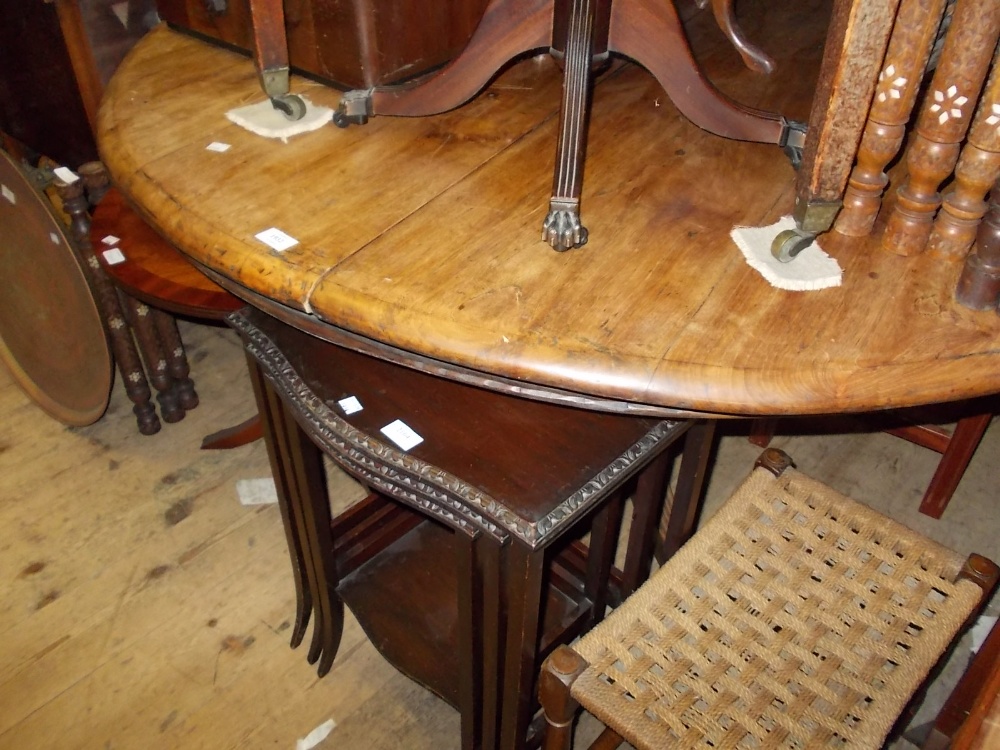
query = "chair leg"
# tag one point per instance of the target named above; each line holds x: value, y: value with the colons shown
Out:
x: 559, y: 671
x: 962, y: 446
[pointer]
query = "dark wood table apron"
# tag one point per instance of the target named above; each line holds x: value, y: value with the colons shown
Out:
x: 460, y: 565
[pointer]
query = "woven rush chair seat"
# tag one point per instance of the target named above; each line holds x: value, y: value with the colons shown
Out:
x: 795, y: 618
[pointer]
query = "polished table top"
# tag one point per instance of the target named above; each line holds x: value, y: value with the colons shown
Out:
x: 421, y: 237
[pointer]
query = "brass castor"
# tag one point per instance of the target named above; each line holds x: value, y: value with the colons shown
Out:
x: 290, y: 105
x: 790, y: 243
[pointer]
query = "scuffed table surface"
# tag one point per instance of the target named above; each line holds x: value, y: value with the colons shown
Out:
x: 424, y: 235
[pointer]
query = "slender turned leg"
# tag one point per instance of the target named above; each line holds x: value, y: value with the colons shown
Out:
x: 271, y: 417
x: 508, y: 28
x: 978, y: 168
x: 690, y: 482
x: 141, y: 320
x: 562, y: 228
x: 311, y: 495
x: 270, y: 54
x: 177, y: 364
x: 523, y: 577
x: 122, y: 344
x: 649, y: 31
x: 753, y: 57
x: 979, y: 285
x: 559, y: 672
x: 943, y: 123
x: 909, y: 50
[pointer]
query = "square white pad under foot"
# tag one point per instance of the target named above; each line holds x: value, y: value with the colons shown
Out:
x: 810, y: 269
x: 263, y: 119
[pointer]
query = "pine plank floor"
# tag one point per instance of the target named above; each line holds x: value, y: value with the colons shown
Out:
x: 142, y: 606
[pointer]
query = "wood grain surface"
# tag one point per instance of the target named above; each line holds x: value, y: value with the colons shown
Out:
x: 424, y: 234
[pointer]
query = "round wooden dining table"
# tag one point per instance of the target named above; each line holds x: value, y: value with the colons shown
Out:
x: 418, y: 240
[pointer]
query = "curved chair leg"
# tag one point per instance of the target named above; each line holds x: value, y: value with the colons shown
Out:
x: 508, y: 28
x: 650, y: 32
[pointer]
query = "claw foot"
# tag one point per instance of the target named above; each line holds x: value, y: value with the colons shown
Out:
x: 354, y: 109
x: 562, y: 228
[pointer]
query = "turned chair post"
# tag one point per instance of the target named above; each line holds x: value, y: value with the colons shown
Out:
x: 979, y: 285
x: 898, y: 83
x: 943, y: 123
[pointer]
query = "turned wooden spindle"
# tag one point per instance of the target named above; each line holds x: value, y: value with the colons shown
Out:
x: 122, y: 343
x: 943, y: 123
x: 905, y: 61
x: 978, y: 167
x: 979, y: 285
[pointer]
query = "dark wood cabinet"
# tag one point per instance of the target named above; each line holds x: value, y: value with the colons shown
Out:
x: 349, y: 43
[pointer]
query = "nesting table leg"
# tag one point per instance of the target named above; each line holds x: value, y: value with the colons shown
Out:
x: 177, y: 364
x: 271, y: 415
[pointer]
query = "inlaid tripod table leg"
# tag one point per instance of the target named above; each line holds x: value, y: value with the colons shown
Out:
x: 177, y: 364
x: 562, y: 228
x: 508, y: 28
x: 122, y: 343
x: 141, y: 320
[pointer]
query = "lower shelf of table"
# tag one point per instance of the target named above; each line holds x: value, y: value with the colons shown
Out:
x: 406, y: 599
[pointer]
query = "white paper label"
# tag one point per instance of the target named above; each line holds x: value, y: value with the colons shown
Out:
x: 217, y: 147
x: 256, y: 491
x: 7, y: 193
x: 402, y: 434
x: 111, y: 240
x: 114, y: 256
x: 276, y: 239
x: 54, y: 237
x: 66, y: 175
x: 350, y: 405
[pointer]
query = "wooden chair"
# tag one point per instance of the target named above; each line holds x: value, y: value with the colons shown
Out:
x: 970, y: 717
x: 795, y: 617
x: 956, y: 445
x: 141, y: 294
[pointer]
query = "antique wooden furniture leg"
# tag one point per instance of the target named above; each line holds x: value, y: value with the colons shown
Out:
x: 126, y: 355
x: 177, y: 364
x: 272, y: 417
x: 956, y: 448
x: 680, y: 517
x: 730, y: 643
x: 964, y: 205
x: 979, y: 284
x: 896, y: 92
x: 270, y: 54
x: 139, y: 318
x: 856, y: 42
x: 156, y: 274
x: 943, y: 123
x: 508, y: 28
x: 753, y: 57
x: 562, y: 228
